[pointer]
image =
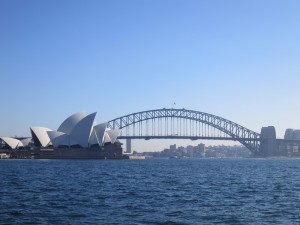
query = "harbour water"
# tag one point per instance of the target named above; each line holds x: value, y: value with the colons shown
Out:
x: 154, y: 191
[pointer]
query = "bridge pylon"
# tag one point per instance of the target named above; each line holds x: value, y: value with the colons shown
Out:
x: 268, y: 144
x: 128, y: 146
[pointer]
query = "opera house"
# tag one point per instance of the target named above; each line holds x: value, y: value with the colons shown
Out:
x: 78, y: 137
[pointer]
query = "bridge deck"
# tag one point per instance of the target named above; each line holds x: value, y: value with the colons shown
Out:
x: 189, y: 137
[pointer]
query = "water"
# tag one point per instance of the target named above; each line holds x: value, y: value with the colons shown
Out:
x: 157, y: 191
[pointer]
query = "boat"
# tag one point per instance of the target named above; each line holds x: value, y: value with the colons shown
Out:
x: 136, y: 157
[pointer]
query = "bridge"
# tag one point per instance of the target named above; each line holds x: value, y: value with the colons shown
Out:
x: 184, y: 124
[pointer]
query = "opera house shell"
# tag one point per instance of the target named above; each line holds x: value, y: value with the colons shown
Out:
x: 77, y: 131
x: 78, y: 137
x: 13, y: 143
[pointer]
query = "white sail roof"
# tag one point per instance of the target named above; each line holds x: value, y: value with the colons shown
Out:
x: 78, y: 129
x: 82, y: 130
x: 106, y: 138
x: 59, y: 138
x: 113, y: 134
x: 26, y: 141
x: 97, y: 134
x: 68, y: 125
x: 42, y: 135
x: 12, y: 142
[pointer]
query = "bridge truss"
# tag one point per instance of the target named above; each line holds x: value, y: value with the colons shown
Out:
x: 183, y: 124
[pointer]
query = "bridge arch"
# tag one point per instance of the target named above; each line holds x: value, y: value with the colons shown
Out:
x: 234, y: 131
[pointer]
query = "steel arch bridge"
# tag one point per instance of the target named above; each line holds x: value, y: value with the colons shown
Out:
x: 183, y: 124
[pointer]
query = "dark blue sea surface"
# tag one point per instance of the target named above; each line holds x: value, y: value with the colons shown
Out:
x: 154, y: 191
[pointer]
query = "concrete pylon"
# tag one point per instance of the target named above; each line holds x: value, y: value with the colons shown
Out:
x: 128, y: 146
x: 268, y: 145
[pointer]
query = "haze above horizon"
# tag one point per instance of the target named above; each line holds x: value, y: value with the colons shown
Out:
x: 235, y: 59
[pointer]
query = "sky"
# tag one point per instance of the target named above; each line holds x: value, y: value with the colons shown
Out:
x: 231, y: 58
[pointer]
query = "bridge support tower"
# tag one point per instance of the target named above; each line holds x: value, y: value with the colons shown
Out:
x: 268, y: 145
x: 128, y: 146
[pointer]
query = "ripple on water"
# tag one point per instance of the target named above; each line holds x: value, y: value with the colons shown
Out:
x: 225, y: 191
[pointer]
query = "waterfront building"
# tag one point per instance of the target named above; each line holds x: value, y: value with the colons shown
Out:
x: 292, y: 134
x: 190, y: 150
x: 173, y: 147
x: 78, y: 130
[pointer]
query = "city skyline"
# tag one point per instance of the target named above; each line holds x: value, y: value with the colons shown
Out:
x: 237, y: 60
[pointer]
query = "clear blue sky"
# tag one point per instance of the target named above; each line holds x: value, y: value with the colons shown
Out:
x: 236, y: 59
